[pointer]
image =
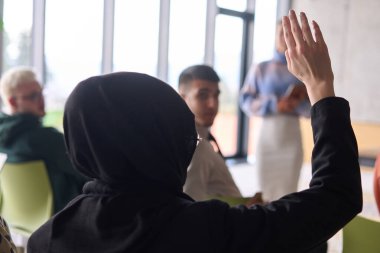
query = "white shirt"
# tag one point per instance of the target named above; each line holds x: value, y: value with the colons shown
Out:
x: 208, y: 174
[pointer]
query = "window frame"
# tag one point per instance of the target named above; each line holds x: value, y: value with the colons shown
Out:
x: 38, y: 40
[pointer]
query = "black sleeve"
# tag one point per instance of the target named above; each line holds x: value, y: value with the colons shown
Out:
x: 303, y: 220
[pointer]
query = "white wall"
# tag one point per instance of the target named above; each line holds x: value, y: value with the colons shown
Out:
x: 352, y: 32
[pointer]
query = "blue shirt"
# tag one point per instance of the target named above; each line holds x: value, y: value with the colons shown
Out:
x: 265, y: 83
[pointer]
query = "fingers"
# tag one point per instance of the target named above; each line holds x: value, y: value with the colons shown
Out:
x: 289, y: 40
x: 294, y: 35
x: 296, y: 29
x: 306, y: 29
x: 318, y: 34
x: 288, y: 60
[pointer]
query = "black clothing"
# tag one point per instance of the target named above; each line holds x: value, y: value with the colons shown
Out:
x: 125, y: 128
x: 128, y: 131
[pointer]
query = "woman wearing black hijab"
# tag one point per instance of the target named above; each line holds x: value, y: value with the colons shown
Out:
x: 135, y: 137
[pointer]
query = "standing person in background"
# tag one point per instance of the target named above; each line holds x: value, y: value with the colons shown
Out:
x: 23, y: 138
x: 279, y: 98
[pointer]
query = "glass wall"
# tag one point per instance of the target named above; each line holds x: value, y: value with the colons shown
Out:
x: 187, y: 36
x: 236, y: 5
x: 136, y: 36
x: 73, y: 46
x: 17, y: 33
x: 263, y: 46
x: 228, y: 53
x: 73, y: 50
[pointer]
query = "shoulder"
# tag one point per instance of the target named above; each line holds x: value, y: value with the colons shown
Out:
x: 204, y: 153
x: 264, y: 64
x: 258, y: 69
x: 46, y: 138
x: 48, y: 132
x: 203, y: 146
x: 203, y: 149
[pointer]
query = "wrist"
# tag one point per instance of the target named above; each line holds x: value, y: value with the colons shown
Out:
x: 320, y: 90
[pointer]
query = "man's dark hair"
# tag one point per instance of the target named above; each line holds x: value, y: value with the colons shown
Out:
x: 197, y: 72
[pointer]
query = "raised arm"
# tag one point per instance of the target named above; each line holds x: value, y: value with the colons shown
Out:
x: 308, y: 59
x: 300, y: 221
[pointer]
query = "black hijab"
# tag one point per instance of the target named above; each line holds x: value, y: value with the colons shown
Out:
x: 135, y: 136
x: 125, y: 127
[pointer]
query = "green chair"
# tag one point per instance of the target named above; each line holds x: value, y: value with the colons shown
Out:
x: 361, y: 235
x: 26, y: 196
x: 232, y: 201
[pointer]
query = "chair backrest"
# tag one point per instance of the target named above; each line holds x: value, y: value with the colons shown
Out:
x: 232, y: 201
x: 361, y: 235
x: 26, y: 195
x: 376, y: 182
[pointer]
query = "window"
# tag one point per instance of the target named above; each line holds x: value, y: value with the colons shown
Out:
x: 187, y: 36
x: 73, y: 46
x: 136, y: 36
x: 17, y: 33
x: 236, y: 5
x: 265, y: 26
x: 228, y: 53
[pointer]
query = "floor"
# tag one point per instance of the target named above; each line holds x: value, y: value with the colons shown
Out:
x: 244, y: 177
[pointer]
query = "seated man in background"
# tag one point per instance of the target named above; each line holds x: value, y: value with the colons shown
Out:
x: 23, y: 138
x: 207, y: 174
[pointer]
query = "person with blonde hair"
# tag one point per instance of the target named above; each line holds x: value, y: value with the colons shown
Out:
x: 21, y: 92
x: 23, y: 138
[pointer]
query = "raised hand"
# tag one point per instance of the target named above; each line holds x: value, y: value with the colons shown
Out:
x: 308, y: 59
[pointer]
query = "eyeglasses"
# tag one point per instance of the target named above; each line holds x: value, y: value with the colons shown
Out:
x: 33, y: 97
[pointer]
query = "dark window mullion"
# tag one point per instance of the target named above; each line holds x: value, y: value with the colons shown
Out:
x: 243, y: 121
